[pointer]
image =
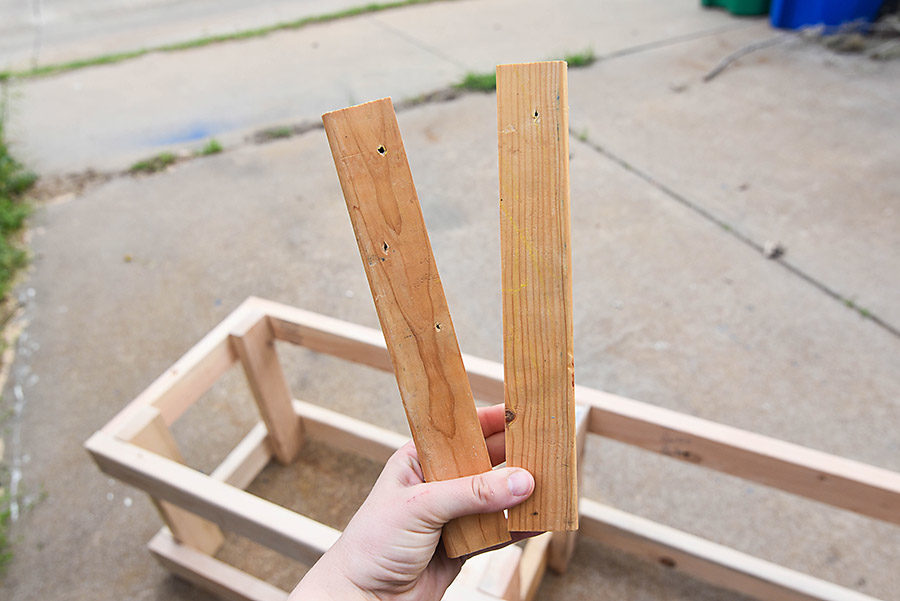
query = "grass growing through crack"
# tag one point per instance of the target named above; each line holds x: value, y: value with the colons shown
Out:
x: 275, y: 133
x: 487, y: 82
x: 478, y: 82
x: 107, y: 59
x: 153, y: 164
x: 581, y: 59
x: 212, y: 147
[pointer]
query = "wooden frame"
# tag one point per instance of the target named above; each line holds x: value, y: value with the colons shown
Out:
x: 136, y: 448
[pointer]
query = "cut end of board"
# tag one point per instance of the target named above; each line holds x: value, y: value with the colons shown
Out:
x: 536, y: 267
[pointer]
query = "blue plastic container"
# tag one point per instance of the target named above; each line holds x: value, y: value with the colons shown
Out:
x: 794, y: 14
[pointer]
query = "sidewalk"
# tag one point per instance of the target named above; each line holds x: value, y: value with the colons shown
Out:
x: 674, y: 185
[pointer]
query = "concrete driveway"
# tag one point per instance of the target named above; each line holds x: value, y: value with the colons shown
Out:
x: 677, y: 185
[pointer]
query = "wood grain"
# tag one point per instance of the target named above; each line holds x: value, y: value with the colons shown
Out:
x: 390, y: 231
x: 536, y: 267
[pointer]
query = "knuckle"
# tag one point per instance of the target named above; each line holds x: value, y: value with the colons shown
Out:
x: 481, y: 489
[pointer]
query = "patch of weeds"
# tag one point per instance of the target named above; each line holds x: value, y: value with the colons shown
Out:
x: 15, y: 181
x: 581, y: 59
x: 582, y: 135
x: 212, y: 147
x: 153, y: 164
x: 478, y: 82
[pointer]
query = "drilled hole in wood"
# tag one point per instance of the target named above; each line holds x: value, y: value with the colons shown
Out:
x: 384, y: 246
x: 437, y: 326
x: 381, y: 149
x: 536, y: 115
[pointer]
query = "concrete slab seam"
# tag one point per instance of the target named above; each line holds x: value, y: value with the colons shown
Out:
x: 705, y: 214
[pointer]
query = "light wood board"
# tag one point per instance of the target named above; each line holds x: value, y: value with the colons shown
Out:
x: 536, y: 267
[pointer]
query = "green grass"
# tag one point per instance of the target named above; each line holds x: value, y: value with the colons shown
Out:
x: 581, y: 59
x: 153, y: 164
x: 15, y: 181
x: 487, y: 82
x: 478, y: 82
x: 6, y: 553
x: 212, y: 147
x: 275, y: 133
x: 863, y: 312
x: 118, y: 57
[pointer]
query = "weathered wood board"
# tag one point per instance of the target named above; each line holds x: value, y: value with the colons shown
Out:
x: 396, y: 252
x: 536, y: 267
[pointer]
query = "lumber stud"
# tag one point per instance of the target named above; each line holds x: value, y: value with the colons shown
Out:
x: 147, y: 430
x: 536, y: 277
x: 254, y: 343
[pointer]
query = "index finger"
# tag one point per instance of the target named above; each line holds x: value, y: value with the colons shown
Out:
x: 493, y: 419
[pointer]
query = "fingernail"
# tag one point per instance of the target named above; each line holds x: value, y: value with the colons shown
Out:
x: 518, y: 483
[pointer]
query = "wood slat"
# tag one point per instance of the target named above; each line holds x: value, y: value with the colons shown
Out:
x: 536, y: 285
x: 209, y: 573
x: 396, y: 253
x: 836, y: 481
x: 859, y: 487
x: 148, y: 430
x: 276, y: 527
x: 244, y: 463
x: 255, y: 345
x: 348, y: 434
x: 562, y: 544
x: 713, y: 563
x: 190, y: 376
x: 533, y: 565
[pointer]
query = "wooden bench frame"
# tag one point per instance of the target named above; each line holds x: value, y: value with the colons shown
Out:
x: 136, y: 447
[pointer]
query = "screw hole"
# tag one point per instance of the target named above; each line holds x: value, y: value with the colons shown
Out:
x: 536, y: 115
x: 437, y: 326
x: 381, y: 149
x: 667, y: 562
x: 384, y: 246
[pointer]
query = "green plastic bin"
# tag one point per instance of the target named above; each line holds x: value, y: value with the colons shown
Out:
x: 740, y: 7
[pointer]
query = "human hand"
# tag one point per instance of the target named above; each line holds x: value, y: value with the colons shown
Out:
x: 390, y: 549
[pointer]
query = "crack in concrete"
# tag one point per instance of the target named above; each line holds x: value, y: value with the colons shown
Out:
x: 679, y: 39
x: 451, y: 93
x: 742, y: 237
x: 399, y: 33
x: 38, y: 13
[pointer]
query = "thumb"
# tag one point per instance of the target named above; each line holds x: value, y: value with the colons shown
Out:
x: 482, y: 493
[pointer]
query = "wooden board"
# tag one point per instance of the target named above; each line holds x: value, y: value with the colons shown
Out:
x: 210, y: 574
x: 254, y: 343
x: 713, y: 563
x: 536, y: 267
x: 270, y: 525
x: 390, y: 231
x: 148, y: 430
